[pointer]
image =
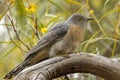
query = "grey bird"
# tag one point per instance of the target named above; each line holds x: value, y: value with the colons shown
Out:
x: 64, y: 38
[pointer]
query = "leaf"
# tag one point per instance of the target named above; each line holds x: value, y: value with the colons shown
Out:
x: 4, y: 7
x: 74, y: 2
x: 7, y: 53
x: 106, y: 3
x: 56, y: 4
x: 20, y: 13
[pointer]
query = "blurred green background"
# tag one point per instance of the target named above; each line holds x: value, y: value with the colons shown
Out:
x: 23, y: 22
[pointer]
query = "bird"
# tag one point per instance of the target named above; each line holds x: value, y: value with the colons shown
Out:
x: 64, y: 38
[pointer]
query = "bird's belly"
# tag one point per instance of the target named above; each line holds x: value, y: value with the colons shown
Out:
x: 63, y: 47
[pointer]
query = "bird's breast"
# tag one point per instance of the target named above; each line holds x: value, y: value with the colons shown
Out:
x: 74, y: 34
x: 74, y: 37
x: 69, y: 43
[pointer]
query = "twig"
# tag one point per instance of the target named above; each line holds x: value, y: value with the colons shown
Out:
x: 32, y: 28
x: 12, y: 40
x: 17, y: 33
x: 36, y: 32
x: 36, y: 26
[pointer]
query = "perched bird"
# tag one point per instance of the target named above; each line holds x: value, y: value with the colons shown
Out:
x: 63, y: 38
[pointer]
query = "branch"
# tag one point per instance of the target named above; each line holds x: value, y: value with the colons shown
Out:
x: 83, y: 63
x: 12, y: 39
x: 11, y: 20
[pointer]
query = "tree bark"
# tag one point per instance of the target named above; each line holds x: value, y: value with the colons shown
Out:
x: 74, y: 63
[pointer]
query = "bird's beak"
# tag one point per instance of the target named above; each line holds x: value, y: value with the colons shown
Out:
x: 90, y: 18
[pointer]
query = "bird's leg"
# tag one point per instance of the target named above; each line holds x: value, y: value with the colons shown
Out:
x: 63, y: 55
x: 66, y: 56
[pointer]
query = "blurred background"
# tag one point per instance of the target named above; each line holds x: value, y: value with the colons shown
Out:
x: 23, y: 22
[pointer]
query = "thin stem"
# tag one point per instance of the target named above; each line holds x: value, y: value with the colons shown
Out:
x: 36, y: 26
x: 11, y: 20
x: 12, y: 40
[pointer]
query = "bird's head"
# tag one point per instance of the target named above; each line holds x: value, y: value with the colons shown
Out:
x: 78, y: 19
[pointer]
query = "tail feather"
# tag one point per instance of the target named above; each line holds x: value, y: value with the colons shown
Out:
x: 20, y: 67
x: 16, y: 70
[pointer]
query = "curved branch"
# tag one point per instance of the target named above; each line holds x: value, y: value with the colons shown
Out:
x: 83, y: 63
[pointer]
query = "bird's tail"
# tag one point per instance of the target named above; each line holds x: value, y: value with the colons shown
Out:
x: 16, y: 70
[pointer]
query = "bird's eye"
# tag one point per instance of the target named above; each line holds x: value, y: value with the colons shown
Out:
x: 79, y: 19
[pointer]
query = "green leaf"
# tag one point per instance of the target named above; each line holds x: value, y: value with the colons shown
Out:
x: 56, y: 4
x: 20, y: 13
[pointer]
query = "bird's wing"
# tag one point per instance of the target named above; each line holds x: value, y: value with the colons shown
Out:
x: 55, y: 34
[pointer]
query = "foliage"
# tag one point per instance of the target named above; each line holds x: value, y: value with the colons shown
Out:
x: 25, y: 21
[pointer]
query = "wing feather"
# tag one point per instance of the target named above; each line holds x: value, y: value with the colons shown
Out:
x: 55, y: 34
